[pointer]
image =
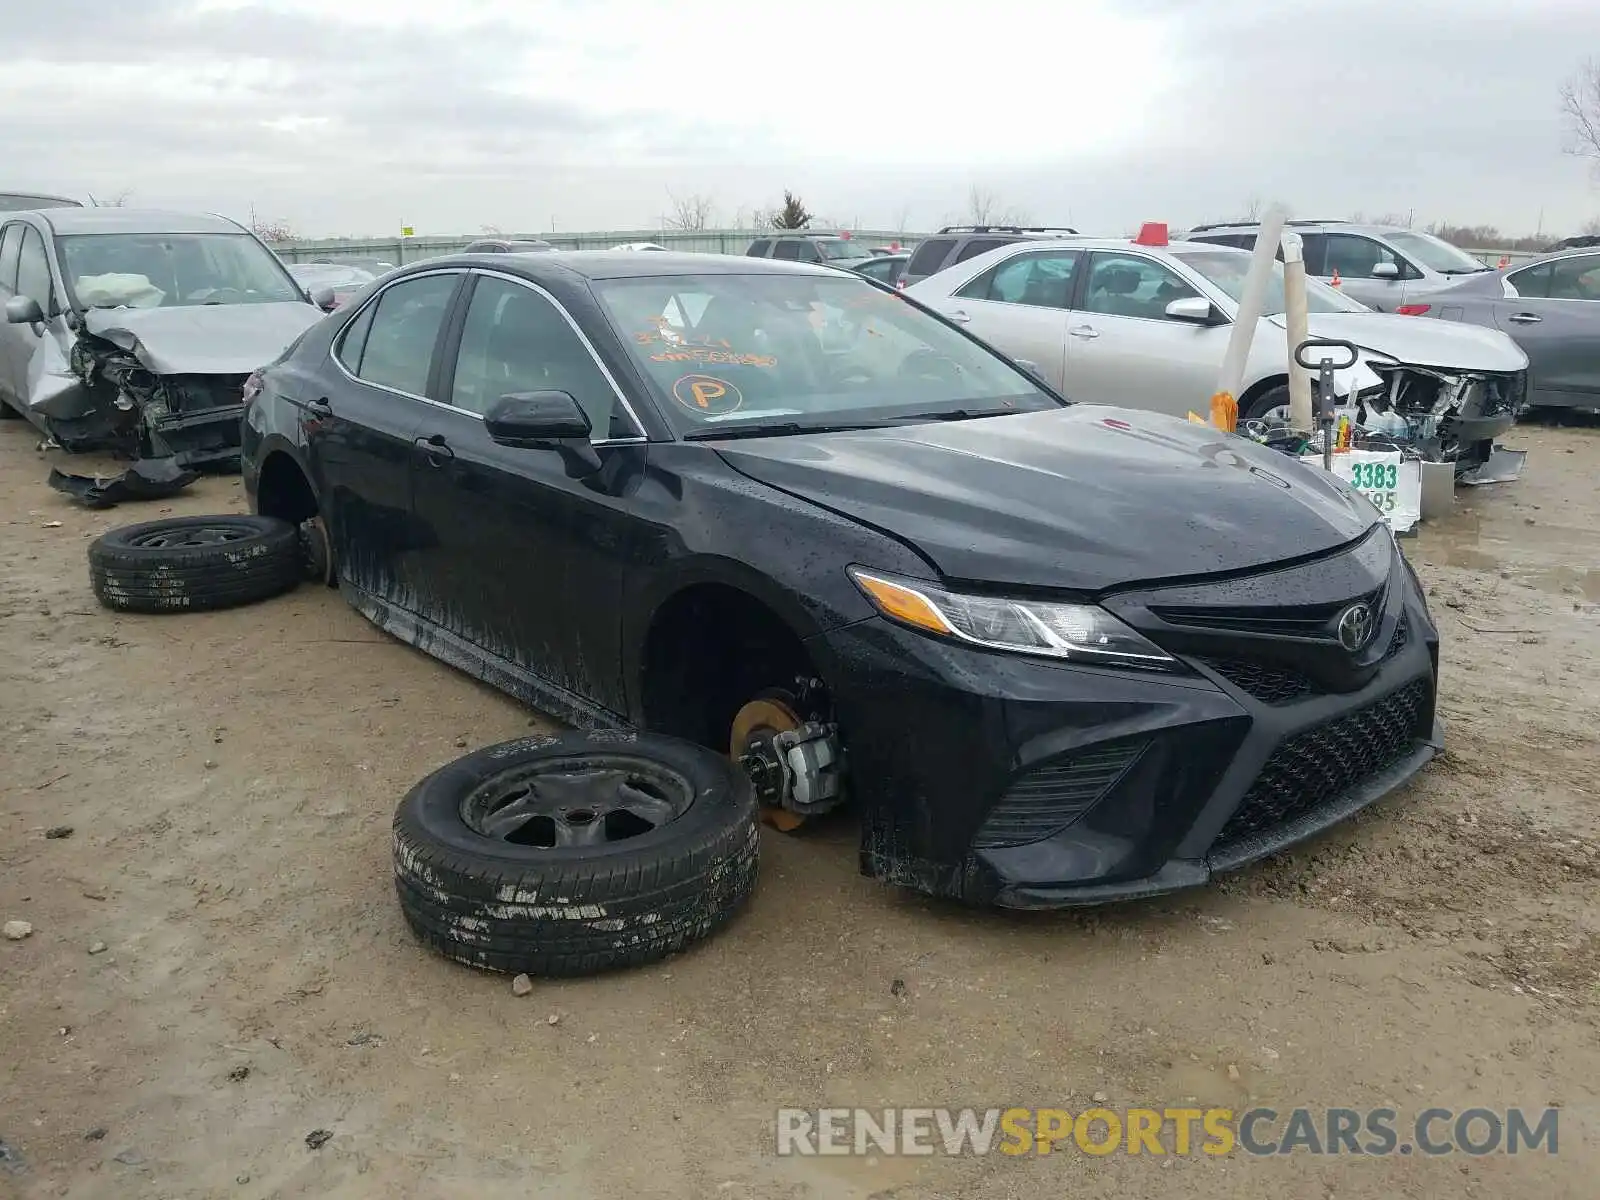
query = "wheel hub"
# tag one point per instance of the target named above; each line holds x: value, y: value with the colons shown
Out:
x: 793, y: 764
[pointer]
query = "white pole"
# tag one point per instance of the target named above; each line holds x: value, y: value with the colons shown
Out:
x: 1252, y: 298
x: 1294, y: 316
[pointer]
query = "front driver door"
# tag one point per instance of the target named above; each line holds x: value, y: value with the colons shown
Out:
x: 1019, y: 306
x: 360, y: 417
x: 1555, y: 318
x: 1123, y: 349
x: 533, y: 557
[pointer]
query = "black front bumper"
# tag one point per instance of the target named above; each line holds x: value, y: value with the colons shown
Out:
x: 1027, y: 783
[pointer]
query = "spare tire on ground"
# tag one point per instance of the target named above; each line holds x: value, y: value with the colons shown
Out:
x: 189, y: 564
x: 575, y: 853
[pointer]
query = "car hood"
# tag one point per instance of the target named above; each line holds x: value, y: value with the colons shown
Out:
x: 203, y: 339
x: 1084, y: 499
x: 1442, y: 344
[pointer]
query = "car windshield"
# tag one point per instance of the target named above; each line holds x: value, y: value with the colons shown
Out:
x: 1434, y: 253
x: 171, y: 270
x: 1227, y: 269
x: 784, y: 352
x: 838, y: 248
x: 321, y: 275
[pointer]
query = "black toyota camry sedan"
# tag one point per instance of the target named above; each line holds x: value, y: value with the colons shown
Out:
x: 1054, y: 653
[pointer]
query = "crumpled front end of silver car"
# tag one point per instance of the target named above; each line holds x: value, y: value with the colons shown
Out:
x: 1448, y: 416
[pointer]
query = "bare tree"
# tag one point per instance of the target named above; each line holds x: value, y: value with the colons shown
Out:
x: 902, y: 218
x: 793, y: 214
x: 1590, y: 228
x: 691, y: 213
x: 270, y: 230
x: 491, y: 230
x: 983, y: 206
x: 115, y: 200
x: 1580, y: 109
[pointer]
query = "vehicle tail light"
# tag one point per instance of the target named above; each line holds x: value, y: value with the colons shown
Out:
x: 252, y: 388
x: 1412, y: 310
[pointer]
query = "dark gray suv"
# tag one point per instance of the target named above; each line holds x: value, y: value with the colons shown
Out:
x: 957, y: 243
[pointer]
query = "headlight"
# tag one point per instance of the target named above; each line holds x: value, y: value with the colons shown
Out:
x: 1079, y: 632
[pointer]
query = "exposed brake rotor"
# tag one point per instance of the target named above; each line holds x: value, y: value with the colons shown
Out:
x: 750, y: 745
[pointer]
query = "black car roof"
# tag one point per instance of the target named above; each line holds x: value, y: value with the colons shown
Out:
x: 626, y: 264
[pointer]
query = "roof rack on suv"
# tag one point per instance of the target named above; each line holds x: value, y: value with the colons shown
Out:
x: 1254, y: 224
x: 1008, y: 229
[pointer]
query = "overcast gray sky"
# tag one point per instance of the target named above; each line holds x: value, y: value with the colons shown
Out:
x: 364, y: 115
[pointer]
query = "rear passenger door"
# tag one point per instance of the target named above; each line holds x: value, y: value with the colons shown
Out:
x: 1123, y: 349
x: 359, y: 434
x: 1019, y: 306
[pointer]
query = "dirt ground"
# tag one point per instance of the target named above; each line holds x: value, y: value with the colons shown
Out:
x: 230, y: 778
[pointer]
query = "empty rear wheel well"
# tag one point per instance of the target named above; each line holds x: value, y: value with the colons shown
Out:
x: 710, y: 649
x: 283, y: 490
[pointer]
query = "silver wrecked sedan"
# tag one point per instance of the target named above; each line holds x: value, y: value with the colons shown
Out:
x: 1551, y: 308
x: 133, y: 331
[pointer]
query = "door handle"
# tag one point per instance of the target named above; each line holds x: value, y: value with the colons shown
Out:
x: 1084, y: 331
x: 435, y: 449
x: 1525, y: 318
x: 959, y: 316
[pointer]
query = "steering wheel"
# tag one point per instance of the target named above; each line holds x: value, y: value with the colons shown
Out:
x: 844, y: 375
x: 929, y: 364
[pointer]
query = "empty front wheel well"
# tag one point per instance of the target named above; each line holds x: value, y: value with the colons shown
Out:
x: 283, y: 490
x: 712, y: 648
x: 1259, y: 389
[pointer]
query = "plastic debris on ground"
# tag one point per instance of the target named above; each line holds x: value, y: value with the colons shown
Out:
x: 146, y: 479
x: 1503, y: 466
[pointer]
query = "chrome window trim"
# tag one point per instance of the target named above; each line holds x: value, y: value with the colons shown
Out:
x: 338, y: 343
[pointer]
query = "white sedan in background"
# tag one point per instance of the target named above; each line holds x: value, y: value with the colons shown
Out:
x: 1110, y: 321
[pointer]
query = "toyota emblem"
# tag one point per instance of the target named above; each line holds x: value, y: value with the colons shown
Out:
x: 1355, y: 627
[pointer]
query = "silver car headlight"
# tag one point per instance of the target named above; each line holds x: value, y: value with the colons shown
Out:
x: 1082, y: 633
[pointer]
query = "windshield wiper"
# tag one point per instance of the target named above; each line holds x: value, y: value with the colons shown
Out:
x: 772, y: 429
x: 951, y: 414
x: 1465, y: 270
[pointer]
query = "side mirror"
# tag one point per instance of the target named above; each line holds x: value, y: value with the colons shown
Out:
x: 1195, y: 310
x: 541, y: 420
x: 324, y: 299
x: 24, y: 310
x: 1385, y: 270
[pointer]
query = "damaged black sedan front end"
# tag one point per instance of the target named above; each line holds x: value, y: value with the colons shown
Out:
x: 133, y: 332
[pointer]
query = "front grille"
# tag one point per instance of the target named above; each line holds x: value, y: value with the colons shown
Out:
x: 1274, y: 683
x: 1267, y: 682
x: 1319, y: 764
x: 1052, y: 795
x: 1295, y: 621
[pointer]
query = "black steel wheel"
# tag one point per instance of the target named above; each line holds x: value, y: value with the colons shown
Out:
x: 188, y: 564
x: 575, y: 853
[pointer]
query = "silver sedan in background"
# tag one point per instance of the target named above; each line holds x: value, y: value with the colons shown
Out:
x: 1551, y: 308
